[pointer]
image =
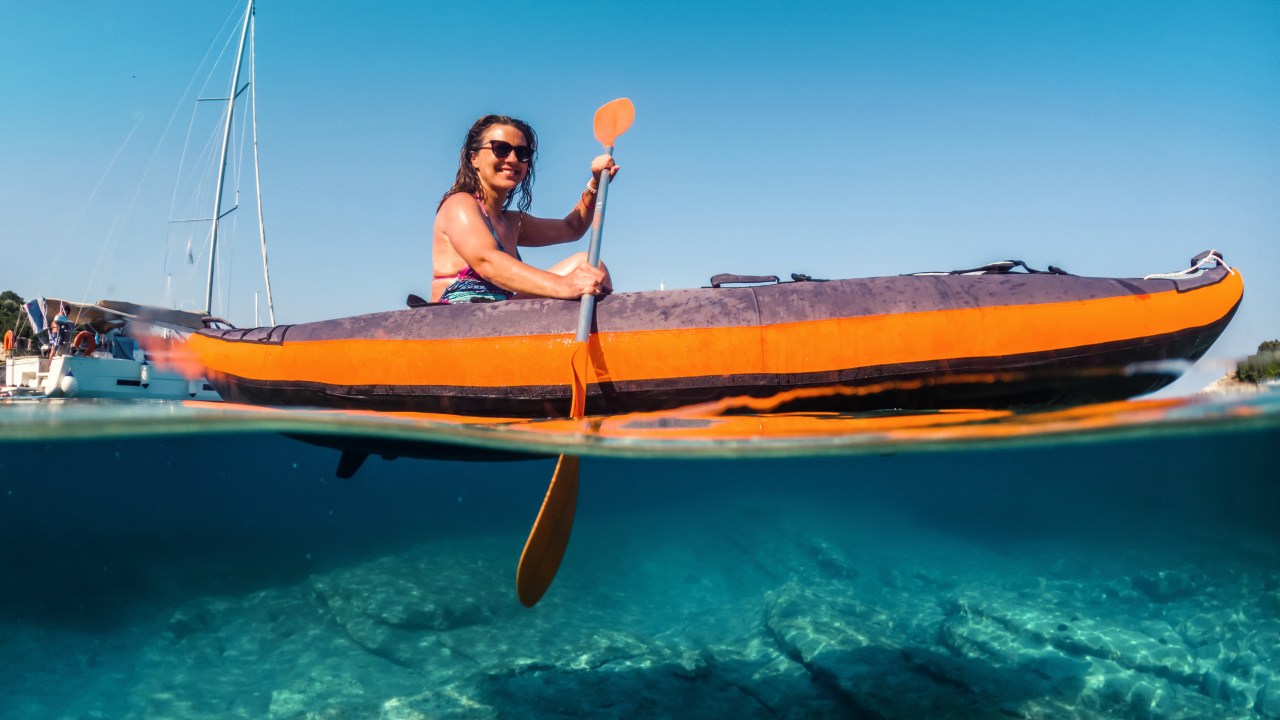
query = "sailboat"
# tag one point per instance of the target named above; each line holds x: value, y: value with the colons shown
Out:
x: 92, y: 350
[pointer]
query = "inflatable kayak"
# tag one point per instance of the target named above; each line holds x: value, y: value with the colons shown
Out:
x: 992, y: 337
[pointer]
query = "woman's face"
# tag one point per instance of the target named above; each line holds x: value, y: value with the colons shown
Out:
x: 495, y: 172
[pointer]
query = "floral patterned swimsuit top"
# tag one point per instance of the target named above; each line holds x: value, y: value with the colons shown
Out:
x: 469, y: 287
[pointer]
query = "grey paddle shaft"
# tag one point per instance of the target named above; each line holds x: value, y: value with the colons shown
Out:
x: 593, y: 253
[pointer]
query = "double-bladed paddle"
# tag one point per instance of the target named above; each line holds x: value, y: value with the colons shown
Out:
x: 549, y: 537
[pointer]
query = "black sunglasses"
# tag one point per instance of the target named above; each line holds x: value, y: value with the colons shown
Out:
x: 501, y: 150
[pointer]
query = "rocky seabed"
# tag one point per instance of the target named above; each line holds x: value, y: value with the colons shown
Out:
x: 747, y: 619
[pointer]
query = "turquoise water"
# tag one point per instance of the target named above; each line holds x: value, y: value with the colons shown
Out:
x: 169, y: 562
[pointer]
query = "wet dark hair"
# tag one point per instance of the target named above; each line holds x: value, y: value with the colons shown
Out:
x: 468, y: 181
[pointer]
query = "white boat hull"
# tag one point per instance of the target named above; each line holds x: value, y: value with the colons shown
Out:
x: 78, y: 376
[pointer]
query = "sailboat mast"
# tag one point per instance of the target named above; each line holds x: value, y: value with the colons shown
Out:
x: 257, y: 183
x: 222, y: 163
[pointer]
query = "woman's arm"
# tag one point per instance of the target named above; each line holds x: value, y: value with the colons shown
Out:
x: 540, y: 232
x: 464, y: 227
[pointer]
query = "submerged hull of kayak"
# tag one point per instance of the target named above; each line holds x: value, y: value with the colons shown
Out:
x: 912, y: 342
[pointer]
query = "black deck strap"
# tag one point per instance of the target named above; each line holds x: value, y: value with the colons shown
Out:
x: 729, y: 278
x: 1002, y: 267
x: 1053, y: 269
x: 801, y: 277
x: 995, y: 268
x: 416, y: 301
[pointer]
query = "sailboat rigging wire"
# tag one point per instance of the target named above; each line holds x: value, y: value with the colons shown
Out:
x: 173, y: 201
x: 226, y: 265
x: 117, y: 229
x: 226, y: 261
x: 226, y: 138
x: 241, y: 147
x: 57, y: 258
x: 257, y: 183
x: 232, y: 175
x: 198, y: 181
x: 182, y: 101
x: 55, y: 264
x: 198, y: 197
x: 197, y: 187
x: 120, y: 224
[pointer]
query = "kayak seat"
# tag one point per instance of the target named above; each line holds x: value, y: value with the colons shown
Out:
x: 417, y: 301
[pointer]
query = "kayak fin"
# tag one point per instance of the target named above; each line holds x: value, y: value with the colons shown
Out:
x: 350, y: 463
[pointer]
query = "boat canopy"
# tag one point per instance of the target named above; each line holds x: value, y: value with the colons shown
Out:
x: 106, y: 314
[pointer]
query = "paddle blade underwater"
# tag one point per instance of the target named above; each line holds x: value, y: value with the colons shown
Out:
x: 545, y: 547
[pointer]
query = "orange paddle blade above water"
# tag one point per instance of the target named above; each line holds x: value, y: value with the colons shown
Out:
x: 579, y: 362
x: 612, y: 119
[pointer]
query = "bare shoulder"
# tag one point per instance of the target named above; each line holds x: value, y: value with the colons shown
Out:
x: 458, y: 207
x: 458, y: 202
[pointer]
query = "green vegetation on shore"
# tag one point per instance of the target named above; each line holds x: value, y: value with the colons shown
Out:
x: 11, y: 313
x: 1264, y: 365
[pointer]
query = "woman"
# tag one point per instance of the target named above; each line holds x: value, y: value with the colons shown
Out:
x: 475, y: 242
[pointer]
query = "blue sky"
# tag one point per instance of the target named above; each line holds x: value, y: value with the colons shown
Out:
x: 837, y: 139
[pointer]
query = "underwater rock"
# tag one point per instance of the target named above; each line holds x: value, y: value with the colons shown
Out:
x: 675, y: 687
x: 1265, y: 646
x: 275, y: 654
x: 1115, y: 691
x: 1166, y: 585
x: 782, y: 687
x: 1091, y: 663
x: 1269, y: 602
x: 784, y: 548
x: 806, y: 623
x: 321, y: 694
x: 769, y: 621
x: 439, y: 613
x: 1204, y: 628
x: 858, y: 653
x: 1267, y: 703
x: 196, y: 618
x: 397, y: 606
x: 1017, y: 645
x: 1219, y: 685
x: 898, y: 580
x: 830, y: 560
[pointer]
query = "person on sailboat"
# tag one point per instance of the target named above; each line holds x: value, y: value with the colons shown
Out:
x: 60, y: 329
x: 476, y: 239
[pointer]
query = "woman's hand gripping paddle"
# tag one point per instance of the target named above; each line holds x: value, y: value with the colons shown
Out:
x: 549, y: 537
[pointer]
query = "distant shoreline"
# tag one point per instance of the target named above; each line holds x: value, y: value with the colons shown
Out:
x: 1232, y: 384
